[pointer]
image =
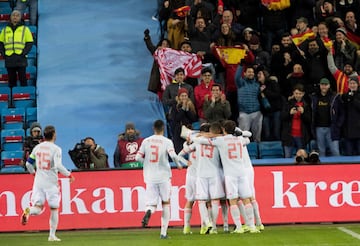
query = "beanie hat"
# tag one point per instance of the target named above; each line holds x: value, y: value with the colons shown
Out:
x: 35, y: 126
x: 354, y: 78
x: 182, y: 90
x: 129, y: 125
x: 324, y: 81
x: 342, y: 30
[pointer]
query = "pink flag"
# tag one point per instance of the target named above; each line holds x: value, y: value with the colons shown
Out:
x: 169, y: 60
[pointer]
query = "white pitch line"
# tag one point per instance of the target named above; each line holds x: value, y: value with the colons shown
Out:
x: 350, y: 232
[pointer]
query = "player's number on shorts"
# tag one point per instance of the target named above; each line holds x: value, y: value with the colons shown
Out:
x: 154, y: 158
x: 43, y: 160
x: 235, y: 150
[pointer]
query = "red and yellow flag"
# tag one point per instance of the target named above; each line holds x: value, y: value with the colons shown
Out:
x: 301, y: 37
x: 230, y: 55
x: 354, y: 39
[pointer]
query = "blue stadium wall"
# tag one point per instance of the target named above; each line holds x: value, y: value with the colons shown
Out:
x: 93, y: 70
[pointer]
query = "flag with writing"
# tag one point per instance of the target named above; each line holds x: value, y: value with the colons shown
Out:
x: 170, y: 59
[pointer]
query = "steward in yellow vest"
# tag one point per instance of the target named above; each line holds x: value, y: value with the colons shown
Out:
x: 16, y: 41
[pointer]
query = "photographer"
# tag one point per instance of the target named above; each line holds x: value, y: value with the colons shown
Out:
x: 89, y: 155
x: 34, y: 139
x: 351, y: 102
x: 98, y: 157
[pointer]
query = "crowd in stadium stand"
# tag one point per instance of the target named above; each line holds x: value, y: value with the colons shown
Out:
x: 288, y: 68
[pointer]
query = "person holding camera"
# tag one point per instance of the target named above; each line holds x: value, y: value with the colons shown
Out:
x: 97, y: 156
x: 296, y: 119
x: 351, y: 102
x: 34, y: 139
x: 328, y: 117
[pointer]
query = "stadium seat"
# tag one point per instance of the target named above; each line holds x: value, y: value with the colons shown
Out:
x: 3, y: 77
x: 13, y: 118
x: 11, y: 159
x: 271, y: 149
x: 5, y: 94
x: 31, y: 116
x: 253, y: 150
x: 31, y: 74
x: 23, y: 96
x: 12, y: 139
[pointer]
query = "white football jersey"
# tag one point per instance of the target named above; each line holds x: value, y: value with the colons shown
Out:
x: 154, y: 151
x: 48, y: 161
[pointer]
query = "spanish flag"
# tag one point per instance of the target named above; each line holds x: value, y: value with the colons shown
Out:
x: 328, y: 43
x: 301, y: 37
x: 230, y: 55
x: 354, y: 39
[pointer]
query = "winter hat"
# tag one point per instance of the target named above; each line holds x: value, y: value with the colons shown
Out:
x: 354, y: 78
x: 35, y: 127
x: 182, y: 90
x: 248, y: 29
x: 129, y: 125
x: 342, y: 30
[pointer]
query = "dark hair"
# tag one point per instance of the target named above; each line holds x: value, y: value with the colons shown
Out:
x: 205, y: 127
x: 299, y: 87
x: 215, y: 127
x: 185, y: 42
x: 158, y: 125
x: 49, y: 132
x: 161, y: 40
x: 229, y: 126
x: 178, y: 70
x: 87, y: 138
x: 216, y: 85
x: 206, y: 70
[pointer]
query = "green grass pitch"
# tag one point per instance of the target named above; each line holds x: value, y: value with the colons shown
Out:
x: 289, y: 235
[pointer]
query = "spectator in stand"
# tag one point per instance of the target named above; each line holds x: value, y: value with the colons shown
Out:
x: 344, y: 50
x: 154, y: 84
x: 315, y: 64
x: 16, y: 41
x: 202, y: 90
x: 247, y: 34
x: 296, y: 122
x: 186, y: 47
x: 177, y: 25
x: 351, y: 23
x: 21, y: 5
x: 183, y: 114
x: 227, y: 17
x: 351, y: 101
x: 127, y: 145
x: 328, y: 117
x: 341, y: 77
x: 282, y: 62
x: 301, y: 8
x: 216, y: 107
x: 227, y: 77
x: 200, y: 37
x: 203, y: 9
x: 323, y: 33
x: 262, y: 57
x: 270, y: 89
x: 171, y: 92
x: 328, y: 14
x: 98, y: 157
x: 164, y: 15
x: 34, y: 139
x: 247, y: 13
x: 294, y: 78
x: 274, y: 25
x: 248, y: 92
x: 344, y: 6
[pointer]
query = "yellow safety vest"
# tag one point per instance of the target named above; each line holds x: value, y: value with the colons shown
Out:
x: 14, y: 42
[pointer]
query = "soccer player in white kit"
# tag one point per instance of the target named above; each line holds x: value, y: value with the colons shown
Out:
x: 250, y: 173
x: 236, y: 181
x: 153, y: 153
x: 48, y: 161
